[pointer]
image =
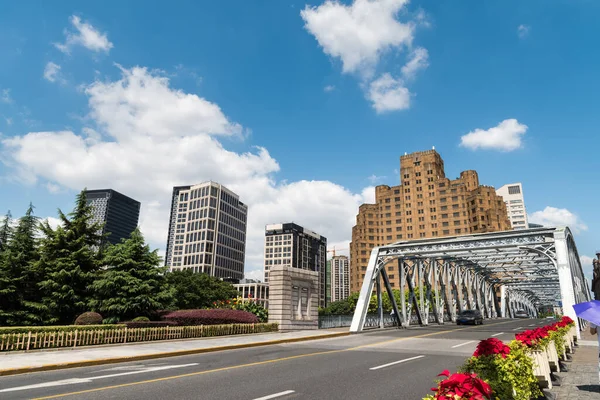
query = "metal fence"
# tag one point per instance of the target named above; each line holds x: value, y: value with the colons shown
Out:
x: 372, y: 320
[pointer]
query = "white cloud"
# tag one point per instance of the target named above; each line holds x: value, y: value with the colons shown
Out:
x: 52, y: 72
x: 388, y: 94
x: 53, y: 188
x: 359, y: 33
x: 5, y: 96
x: 368, y: 195
x: 505, y: 137
x: 552, y: 216
x: 256, y: 274
x: 86, y: 35
x: 586, y: 261
x: 419, y: 59
x: 523, y: 30
x: 374, y: 179
x: 54, y: 222
x: 329, y: 88
x: 148, y: 137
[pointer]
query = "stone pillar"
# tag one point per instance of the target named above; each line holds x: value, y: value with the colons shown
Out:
x: 293, y: 298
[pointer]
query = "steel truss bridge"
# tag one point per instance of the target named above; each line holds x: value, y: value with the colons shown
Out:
x: 497, y: 273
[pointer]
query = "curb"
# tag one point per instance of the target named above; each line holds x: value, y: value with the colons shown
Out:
x: 91, y: 363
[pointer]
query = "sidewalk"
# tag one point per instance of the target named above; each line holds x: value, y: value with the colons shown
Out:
x: 12, y: 363
x: 581, y: 382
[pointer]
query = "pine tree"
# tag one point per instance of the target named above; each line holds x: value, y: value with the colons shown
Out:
x: 19, y: 277
x: 69, y: 262
x: 132, y: 284
x: 5, y: 231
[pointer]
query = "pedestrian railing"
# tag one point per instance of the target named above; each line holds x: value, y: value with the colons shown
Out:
x: 47, y: 339
x: 371, y: 321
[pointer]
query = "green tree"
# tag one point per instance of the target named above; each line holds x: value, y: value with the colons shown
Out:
x: 132, y: 283
x: 193, y: 290
x: 19, y: 294
x: 69, y: 262
x: 5, y: 231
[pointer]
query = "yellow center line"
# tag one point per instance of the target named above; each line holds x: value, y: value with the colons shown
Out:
x: 253, y: 364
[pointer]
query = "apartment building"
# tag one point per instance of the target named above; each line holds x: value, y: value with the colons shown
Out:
x: 338, y: 270
x: 207, y: 231
x: 425, y: 204
x: 515, y: 204
x: 291, y: 245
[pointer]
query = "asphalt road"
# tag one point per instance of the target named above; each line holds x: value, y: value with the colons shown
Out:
x: 396, y: 364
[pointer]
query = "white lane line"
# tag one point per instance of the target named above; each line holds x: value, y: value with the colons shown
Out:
x: 516, y: 329
x: 74, y: 381
x: 463, y: 344
x: 395, y: 362
x: 275, y: 395
x: 531, y: 325
x: 498, y: 334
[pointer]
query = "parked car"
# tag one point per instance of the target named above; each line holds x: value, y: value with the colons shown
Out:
x: 521, y: 314
x: 469, y: 317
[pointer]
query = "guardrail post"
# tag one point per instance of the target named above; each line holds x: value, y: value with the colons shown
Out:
x: 75, y: 341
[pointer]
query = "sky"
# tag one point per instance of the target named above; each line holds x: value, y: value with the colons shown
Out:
x: 299, y: 107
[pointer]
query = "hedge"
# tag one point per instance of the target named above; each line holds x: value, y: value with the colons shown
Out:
x: 149, y: 324
x: 211, y: 317
x: 58, y: 328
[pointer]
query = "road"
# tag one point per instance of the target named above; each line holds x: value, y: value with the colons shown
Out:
x: 400, y: 364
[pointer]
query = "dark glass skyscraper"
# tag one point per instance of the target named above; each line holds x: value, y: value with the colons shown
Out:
x: 119, y: 214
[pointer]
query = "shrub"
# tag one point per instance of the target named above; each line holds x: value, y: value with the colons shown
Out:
x: 509, y: 374
x: 461, y: 387
x: 140, y: 319
x: 89, y: 318
x: 211, y: 317
x: 250, y: 306
x: 149, y: 324
x: 111, y: 320
x: 57, y: 328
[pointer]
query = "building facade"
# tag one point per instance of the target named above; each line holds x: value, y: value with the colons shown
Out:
x: 515, y: 205
x: 339, y: 277
x: 425, y: 204
x: 207, y: 231
x: 254, y: 291
x: 119, y: 214
x: 293, y: 246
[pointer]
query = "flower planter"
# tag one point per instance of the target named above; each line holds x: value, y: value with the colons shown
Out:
x: 541, y: 368
x: 552, y: 356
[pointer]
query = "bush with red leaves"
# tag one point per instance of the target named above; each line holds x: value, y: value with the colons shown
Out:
x: 490, y: 347
x: 211, y: 317
x: 149, y: 324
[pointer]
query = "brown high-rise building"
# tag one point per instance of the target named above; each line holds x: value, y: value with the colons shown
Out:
x: 426, y: 204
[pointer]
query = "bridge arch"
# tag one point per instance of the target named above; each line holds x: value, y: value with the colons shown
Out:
x: 497, y: 273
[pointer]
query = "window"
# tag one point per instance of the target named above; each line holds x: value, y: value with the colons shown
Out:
x: 514, y: 190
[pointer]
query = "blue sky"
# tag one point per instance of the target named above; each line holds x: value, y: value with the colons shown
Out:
x: 301, y: 107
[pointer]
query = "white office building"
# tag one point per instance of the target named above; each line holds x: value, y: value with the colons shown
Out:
x: 339, y: 268
x: 207, y: 231
x: 515, y: 205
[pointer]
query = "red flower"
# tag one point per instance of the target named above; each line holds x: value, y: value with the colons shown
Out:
x: 466, y: 386
x: 490, y: 347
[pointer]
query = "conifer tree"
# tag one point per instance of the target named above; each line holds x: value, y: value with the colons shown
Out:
x: 5, y: 231
x: 132, y: 283
x: 69, y: 262
x: 18, y: 286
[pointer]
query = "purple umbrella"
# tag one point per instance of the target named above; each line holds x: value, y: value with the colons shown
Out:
x: 590, y: 311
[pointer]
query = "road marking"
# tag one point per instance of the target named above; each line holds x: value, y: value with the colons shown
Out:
x: 463, y: 344
x: 396, y: 362
x: 75, y: 381
x: 497, y: 334
x: 531, y: 325
x: 516, y: 329
x: 232, y: 367
x: 273, y: 396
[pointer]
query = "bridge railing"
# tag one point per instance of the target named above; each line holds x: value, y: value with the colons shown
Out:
x: 372, y: 321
